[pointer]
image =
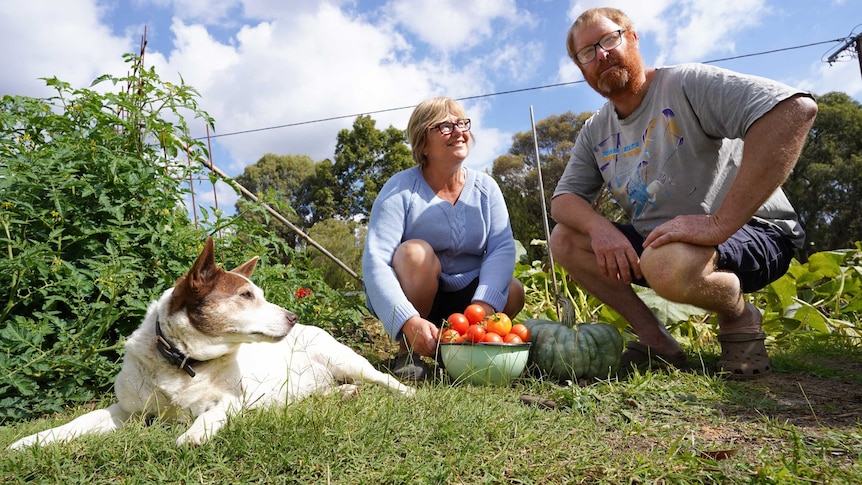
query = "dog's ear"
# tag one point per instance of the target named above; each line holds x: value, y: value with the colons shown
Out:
x: 199, y: 280
x: 247, y: 268
x: 204, y: 269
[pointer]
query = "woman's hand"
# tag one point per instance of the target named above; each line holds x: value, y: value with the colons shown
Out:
x: 421, y: 335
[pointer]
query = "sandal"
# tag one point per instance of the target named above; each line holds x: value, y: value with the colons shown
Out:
x: 743, y: 356
x: 642, y: 356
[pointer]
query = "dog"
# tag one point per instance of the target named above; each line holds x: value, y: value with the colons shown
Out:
x: 211, y: 347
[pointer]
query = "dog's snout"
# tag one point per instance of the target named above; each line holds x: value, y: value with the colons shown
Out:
x: 291, y: 317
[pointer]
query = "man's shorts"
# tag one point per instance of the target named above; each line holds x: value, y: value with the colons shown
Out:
x: 758, y: 253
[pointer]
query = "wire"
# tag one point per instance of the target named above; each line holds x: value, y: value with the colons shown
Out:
x: 501, y: 93
x: 775, y: 50
x: 844, y: 52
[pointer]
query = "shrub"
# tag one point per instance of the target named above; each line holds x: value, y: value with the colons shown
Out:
x: 94, y: 228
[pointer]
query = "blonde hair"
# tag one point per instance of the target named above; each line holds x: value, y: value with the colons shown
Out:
x: 425, y: 115
x: 615, y: 15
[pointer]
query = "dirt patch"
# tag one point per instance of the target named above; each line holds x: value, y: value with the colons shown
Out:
x: 804, y: 400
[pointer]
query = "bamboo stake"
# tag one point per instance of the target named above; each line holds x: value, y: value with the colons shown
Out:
x: 545, y: 214
x: 208, y: 164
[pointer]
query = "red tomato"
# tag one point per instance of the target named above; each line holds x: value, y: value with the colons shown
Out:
x: 476, y: 333
x: 512, y: 338
x: 522, y: 331
x: 475, y: 313
x: 499, y: 323
x: 493, y: 338
x: 458, y: 322
x: 450, y: 335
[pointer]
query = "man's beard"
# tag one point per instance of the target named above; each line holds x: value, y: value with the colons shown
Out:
x: 625, y: 79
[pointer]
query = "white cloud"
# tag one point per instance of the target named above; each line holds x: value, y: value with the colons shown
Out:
x: 686, y: 30
x: 708, y: 28
x: 316, y: 64
x: 293, y: 70
x: 63, y: 39
x: 840, y: 76
x: 449, y: 25
x: 262, y: 64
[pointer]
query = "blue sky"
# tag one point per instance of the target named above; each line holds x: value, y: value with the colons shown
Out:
x: 269, y: 63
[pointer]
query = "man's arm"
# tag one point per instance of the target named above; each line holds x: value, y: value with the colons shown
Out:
x: 615, y: 256
x: 772, y: 147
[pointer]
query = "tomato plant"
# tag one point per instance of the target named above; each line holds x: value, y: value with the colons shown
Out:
x: 458, y: 322
x: 476, y: 333
x: 475, y: 313
x: 499, y: 323
x: 521, y: 331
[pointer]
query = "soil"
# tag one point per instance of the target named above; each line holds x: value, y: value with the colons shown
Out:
x: 805, y: 400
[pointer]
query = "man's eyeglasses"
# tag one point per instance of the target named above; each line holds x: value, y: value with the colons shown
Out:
x: 608, y: 43
x: 447, y: 127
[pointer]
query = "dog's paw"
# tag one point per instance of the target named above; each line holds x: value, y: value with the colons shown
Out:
x: 191, y: 439
x: 23, y: 443
x: 348, y: 391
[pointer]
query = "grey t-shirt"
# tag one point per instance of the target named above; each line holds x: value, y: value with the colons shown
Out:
x: 679, y: 151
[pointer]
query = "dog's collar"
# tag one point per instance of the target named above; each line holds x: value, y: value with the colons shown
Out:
x: 174, y: 356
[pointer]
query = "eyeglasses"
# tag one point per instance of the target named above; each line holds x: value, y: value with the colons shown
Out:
x: 607, y: 43
x: 447, y: 127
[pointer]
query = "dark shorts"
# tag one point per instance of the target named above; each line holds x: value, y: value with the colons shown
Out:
x: 757, y: 253
x: 449, y: 302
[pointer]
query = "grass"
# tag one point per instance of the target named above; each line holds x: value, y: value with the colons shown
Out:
x: 676, y: 427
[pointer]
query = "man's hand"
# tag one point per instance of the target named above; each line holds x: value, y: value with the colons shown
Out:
x: 615, y: 255
x: 701, y: 230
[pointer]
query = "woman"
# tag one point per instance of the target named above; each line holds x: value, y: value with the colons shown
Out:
x: 438, y: 239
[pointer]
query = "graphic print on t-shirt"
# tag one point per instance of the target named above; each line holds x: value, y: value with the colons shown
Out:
x: 639, y: 168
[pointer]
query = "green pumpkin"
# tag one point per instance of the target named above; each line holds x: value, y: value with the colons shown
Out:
x: 582, y: 351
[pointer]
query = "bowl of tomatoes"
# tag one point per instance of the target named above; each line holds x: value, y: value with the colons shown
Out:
x: 483, y: 349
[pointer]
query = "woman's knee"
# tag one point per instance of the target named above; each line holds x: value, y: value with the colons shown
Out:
x: 416, y: 255
x: 516, y: 299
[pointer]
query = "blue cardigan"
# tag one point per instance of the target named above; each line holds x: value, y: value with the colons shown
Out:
x: 472, y: 238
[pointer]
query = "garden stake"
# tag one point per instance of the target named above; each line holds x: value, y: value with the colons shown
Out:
x: 209, y: 164
x: 545, y: 215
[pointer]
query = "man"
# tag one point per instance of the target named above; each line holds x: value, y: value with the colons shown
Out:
x: 709, y: 221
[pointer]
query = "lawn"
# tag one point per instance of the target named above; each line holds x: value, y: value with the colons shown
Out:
x: 800, y: 424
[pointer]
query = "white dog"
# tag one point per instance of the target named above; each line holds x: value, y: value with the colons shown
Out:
x: 212, y: 346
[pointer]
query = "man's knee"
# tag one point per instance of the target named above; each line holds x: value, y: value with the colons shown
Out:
x: 566, y: 245
x: 672, y: 270
x: 558, y: 240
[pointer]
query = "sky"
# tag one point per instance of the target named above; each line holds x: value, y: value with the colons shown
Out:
x: 284, y: 76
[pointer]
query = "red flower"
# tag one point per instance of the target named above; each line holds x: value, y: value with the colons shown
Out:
x: 303, y: 292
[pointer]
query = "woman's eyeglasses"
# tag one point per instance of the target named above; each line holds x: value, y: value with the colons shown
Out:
x: 447, y: 127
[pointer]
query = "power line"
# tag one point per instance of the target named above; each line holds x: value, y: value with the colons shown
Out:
x: 775, y: 50
x: 500, y: 93
x: 853, y: 41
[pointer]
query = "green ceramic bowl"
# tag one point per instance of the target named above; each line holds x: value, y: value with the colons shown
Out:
x: 484, y: 363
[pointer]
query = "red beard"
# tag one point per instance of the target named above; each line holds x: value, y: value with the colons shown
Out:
x: 624, y: 79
